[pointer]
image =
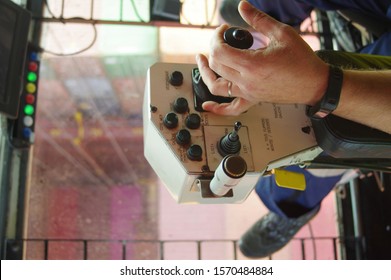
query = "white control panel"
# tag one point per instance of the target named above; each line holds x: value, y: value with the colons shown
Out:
x: 182, y: 143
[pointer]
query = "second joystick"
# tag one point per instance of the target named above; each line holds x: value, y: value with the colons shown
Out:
x: 230, y: 143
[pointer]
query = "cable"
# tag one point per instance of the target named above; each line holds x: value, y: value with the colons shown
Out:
x: 61, y: 19
x: 39, y: 48
x: 136, y: 11
x: 208, y: 21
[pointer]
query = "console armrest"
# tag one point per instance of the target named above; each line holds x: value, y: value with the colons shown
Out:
x: 342, y: 138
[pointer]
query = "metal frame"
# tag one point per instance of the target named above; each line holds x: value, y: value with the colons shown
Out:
x: 13, y: 247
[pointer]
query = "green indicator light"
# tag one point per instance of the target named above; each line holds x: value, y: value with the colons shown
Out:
x: 31, y: 77
x: 29, y: 110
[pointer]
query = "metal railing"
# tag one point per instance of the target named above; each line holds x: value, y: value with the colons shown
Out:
x: 43, y: 248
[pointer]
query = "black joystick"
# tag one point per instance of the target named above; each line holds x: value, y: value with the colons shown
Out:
x: 238, y: 38
x: 235, y: 37
x: 230, y: 143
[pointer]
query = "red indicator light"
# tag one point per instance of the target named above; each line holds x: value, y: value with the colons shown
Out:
x: 33, y: 66
x: 30, y: 99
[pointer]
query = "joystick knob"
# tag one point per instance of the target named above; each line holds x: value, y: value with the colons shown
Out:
x: 230, y: 143
x: 238, y: 38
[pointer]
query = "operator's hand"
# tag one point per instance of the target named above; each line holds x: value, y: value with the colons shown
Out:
x: 285, y: 71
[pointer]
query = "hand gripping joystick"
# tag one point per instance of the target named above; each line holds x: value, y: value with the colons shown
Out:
x: 235, y: 37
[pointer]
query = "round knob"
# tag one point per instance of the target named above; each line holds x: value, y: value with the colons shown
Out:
x: 170, y: 120
x: 193, y: 121
x: 194, y: 153
x: 181, y: 105
x: 238, y: 38
x: 183, y: 137
x: 176, y: 78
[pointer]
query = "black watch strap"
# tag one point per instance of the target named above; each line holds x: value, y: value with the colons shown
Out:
x: 330, y: 99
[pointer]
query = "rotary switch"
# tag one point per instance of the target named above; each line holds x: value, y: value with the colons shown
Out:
x: 176, y: 78
x: 170, y: 120
x: 183, y: 137
x: 181, y: 105
x: 193, y: 121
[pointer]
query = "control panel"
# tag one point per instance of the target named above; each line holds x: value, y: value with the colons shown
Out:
x: 205, y: 158
x: 186, y: 145
x: 23, y: 126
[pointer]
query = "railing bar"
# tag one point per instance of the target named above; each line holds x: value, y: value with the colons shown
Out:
x: 198, y: 249
x: 123, y: 250
x: 121, y: 7
x: 303, y: 249
x: 235, y: 249
x: 335, y: 248
x: 161, y: 250
x: 62, y: 9
x: 92, y: 9
x: 85, y: 252
x: 46, y: 249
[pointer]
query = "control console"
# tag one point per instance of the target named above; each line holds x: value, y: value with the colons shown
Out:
x: 205, y: 158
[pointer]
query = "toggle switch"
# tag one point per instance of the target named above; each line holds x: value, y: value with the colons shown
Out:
x: 230, y: 143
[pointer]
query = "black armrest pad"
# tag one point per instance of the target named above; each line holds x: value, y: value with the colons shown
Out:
x: 342, y: 138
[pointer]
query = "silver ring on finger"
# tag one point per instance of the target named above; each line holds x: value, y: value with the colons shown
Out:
x: 229, y: 89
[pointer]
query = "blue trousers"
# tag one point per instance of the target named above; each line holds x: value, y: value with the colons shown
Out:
x: 293, y: 12
x: 285, y: 201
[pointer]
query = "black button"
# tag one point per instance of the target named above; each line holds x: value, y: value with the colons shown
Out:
x: 170, y: 120
x: 194, y: 153
x: 193, y: 121
x: 181, y: 105
x: 183, y: 137
x: 176, y: 78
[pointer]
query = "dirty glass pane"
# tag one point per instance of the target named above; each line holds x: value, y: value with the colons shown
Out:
x: 89, y: 177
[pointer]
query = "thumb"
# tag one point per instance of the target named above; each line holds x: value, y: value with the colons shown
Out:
x: 260, y: 21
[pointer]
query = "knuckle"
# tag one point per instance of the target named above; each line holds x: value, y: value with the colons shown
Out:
x: 213, y: 88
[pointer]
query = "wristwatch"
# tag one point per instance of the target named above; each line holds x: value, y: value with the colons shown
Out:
x: 330, y: 99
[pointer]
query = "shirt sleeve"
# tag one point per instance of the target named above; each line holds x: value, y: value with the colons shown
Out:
x: 287, y: 11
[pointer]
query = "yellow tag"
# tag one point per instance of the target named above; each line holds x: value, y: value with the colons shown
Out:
x: 289, y: 179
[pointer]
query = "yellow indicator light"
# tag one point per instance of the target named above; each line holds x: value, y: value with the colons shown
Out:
x: 31, y: 88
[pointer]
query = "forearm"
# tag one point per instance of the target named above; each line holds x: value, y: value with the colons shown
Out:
x: 366, y: 98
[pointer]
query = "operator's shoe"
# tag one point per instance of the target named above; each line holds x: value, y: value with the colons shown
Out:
x: 271, y: 233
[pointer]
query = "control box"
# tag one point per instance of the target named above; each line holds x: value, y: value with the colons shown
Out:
x: 22, y: 129
x: 181, y: 141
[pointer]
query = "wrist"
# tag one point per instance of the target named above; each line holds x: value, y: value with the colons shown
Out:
x: 319, y: 81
